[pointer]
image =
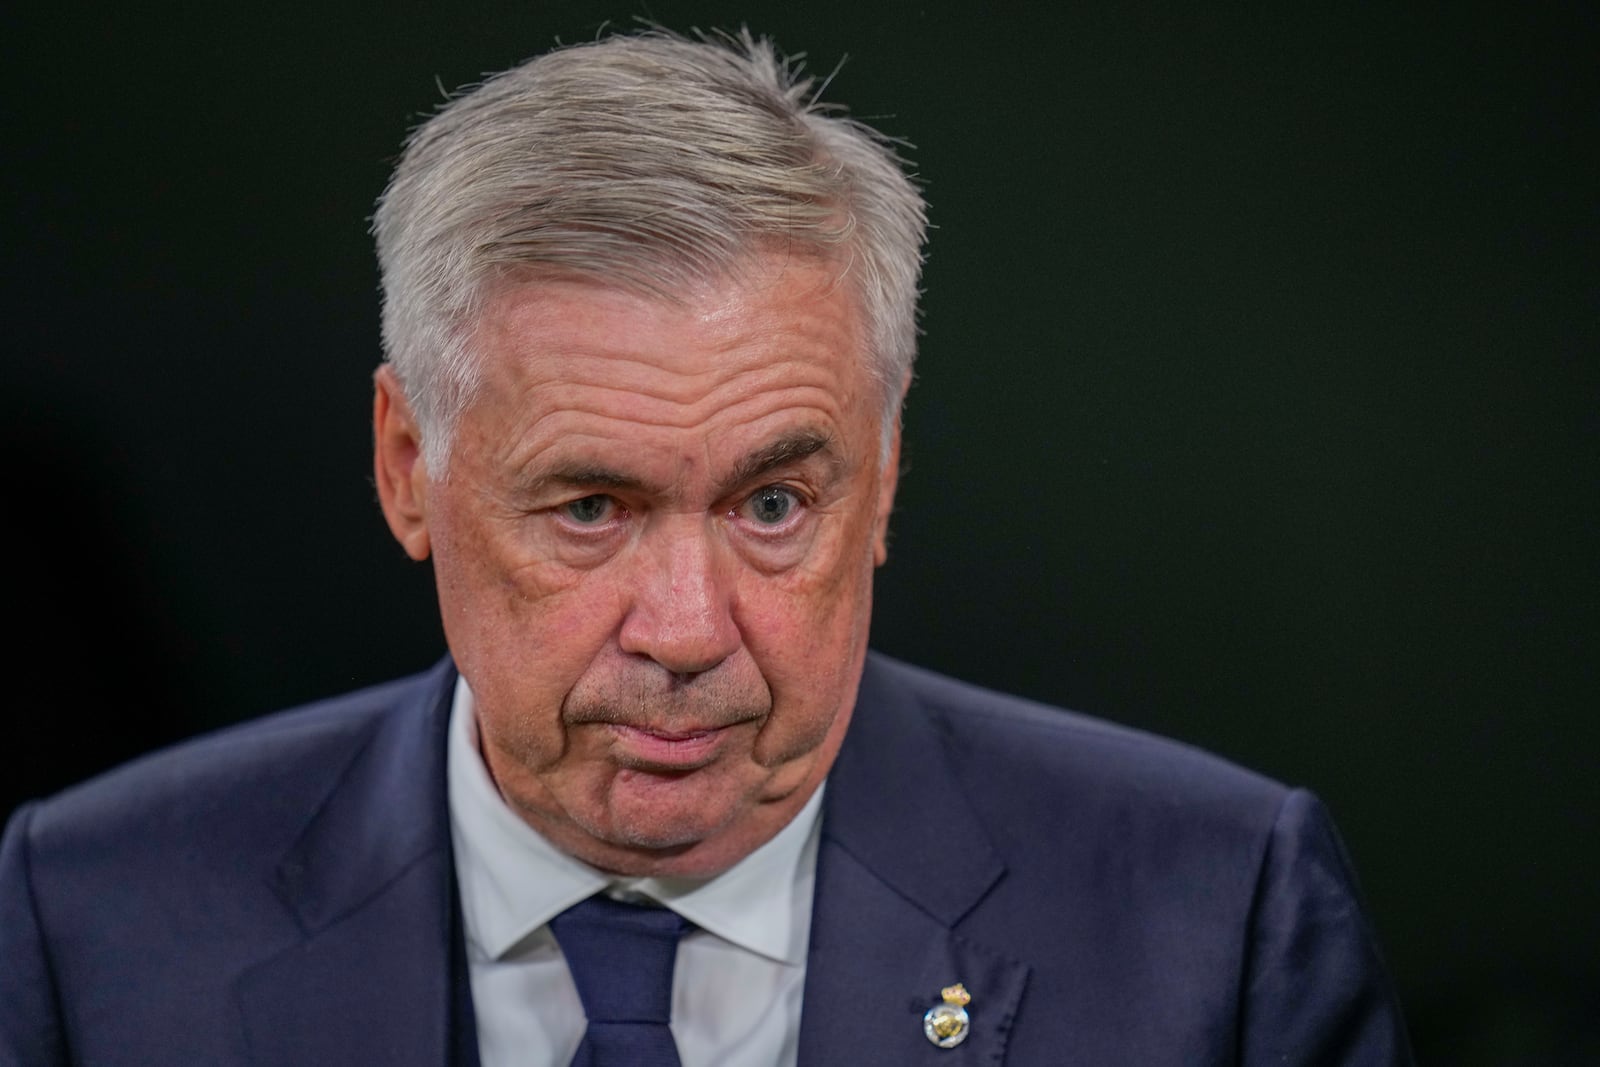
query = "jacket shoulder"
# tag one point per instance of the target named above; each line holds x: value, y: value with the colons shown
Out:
x: 989, y: 732
x: 140, y: 904
x: 238, y: 775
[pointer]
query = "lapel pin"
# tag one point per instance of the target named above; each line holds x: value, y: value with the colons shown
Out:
x: 947, y: 1024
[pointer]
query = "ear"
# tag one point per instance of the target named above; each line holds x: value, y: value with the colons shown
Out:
x: 397, y: 464
x: 888, y: 480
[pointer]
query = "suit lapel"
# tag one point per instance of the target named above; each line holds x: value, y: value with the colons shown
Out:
x: 370, y: 881
x: 903, y: 859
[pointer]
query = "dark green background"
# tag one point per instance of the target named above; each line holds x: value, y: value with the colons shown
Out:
x: 1257, y: 404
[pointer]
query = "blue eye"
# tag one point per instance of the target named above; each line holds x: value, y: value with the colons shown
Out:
x: 771, y: 505
x: 590, y: 510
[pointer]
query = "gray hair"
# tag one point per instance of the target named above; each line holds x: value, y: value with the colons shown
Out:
x: 645, y: 161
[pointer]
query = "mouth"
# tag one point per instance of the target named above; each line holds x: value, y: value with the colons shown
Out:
x: 666, y: 751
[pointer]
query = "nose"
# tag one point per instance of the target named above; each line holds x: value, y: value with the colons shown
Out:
x: 681, y: 612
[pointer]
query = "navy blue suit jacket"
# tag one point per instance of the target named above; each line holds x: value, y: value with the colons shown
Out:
x: 283, y: 894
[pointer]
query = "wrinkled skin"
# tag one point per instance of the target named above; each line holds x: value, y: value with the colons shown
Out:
x: 654, y: 550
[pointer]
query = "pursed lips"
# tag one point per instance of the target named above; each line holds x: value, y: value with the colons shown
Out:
x: 671, y: 750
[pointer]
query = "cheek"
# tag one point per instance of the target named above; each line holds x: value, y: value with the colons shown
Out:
x: 539, y: 640
x: 490, y: 582
x: 807, y: 639
x: 522, y: 634
x: 810, y: 618
x: 523, y: 655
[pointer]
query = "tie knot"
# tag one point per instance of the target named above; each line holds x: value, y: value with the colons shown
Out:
x: 621, y: 957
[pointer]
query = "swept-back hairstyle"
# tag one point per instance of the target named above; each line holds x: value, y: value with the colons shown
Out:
x: 646, y: 161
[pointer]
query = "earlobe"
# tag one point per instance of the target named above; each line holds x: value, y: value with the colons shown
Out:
x: 397, y: 464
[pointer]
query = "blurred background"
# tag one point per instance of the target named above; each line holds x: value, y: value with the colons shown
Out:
x: 1259, y: 404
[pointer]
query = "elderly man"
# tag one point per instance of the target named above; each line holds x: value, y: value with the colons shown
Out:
x: 649, y: 317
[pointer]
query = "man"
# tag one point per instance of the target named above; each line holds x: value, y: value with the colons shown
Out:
x: 649, y: 318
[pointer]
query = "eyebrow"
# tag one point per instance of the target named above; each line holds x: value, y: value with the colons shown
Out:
x: 790, y: 448
x: 583, y: 476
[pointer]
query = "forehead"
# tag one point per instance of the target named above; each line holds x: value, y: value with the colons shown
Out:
x: 765, y: 290
x: 565, y: 360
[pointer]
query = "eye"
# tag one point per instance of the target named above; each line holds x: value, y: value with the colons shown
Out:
x: 771, y: 505
x: 590, y: 510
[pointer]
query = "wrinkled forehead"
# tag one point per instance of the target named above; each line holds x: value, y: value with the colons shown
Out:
x: 573, y: 366
x: 789, y: 279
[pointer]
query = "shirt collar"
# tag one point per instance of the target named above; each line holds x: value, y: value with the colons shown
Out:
x: 513, y: 881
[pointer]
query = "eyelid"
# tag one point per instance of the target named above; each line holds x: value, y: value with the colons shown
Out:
x: 802, y: 502
x: 561, y: 511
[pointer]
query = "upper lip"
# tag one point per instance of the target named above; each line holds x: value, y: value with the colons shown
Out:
x: 668, y: 751
x: 665, y: 726
x: 673, y: 733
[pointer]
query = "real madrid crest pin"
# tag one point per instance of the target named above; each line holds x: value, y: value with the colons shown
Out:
x: 947, y: 1024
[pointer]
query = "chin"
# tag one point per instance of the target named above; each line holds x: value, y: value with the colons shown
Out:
x: 664, y: 831
x: 652, y: 825
x: 644, y: 810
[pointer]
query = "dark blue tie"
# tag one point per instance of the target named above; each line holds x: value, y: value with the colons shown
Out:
x: 621, y: 958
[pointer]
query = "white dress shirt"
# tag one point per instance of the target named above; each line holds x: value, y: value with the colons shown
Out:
x: 739, y: 976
